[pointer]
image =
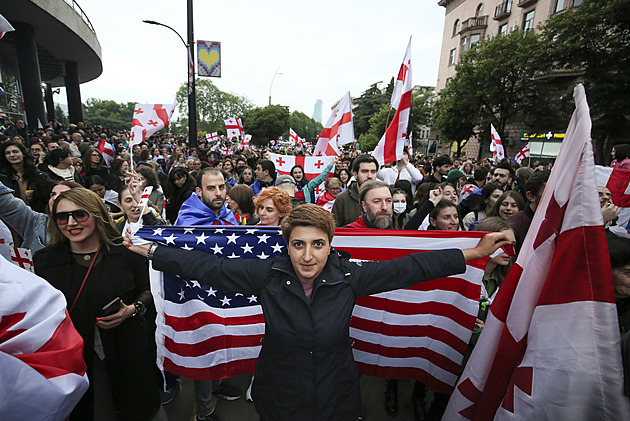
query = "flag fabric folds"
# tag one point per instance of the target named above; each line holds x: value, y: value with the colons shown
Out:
x: 41, y: 353
x: 234, y: 128
x: 420, y: 332
x: 550, y: 348
x: 390, y: 147
x: 107, y: 150
x: 295, y: 139
x: 212, y: 137
x: 5, y: 26
x: 312, y: 165
x: 524, y: 153
x: 148, y: 119
x: 617, y: 180
x: 338, y: 130
x: 498, y: 153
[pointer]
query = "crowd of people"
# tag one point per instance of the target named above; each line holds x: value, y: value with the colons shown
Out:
x: 67, y: 199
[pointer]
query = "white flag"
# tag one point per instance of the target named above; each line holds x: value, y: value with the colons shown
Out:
x: 338, y: 130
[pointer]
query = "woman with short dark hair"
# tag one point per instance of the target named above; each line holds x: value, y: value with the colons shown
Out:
x: 61, y: 166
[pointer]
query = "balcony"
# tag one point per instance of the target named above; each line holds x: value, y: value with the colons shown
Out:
x: 503, y: 10
x: 525, y: 3
x: 474, y: 23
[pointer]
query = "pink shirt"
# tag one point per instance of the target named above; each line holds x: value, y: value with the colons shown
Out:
x: 308, y: 289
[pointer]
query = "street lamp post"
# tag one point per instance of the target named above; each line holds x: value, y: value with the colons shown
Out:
x: 192, y: 104
x: 272, y: 79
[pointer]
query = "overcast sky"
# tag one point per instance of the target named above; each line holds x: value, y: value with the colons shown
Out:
x: 324, y: 48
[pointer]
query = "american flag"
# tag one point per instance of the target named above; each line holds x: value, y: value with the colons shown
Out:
x: 419, y: 333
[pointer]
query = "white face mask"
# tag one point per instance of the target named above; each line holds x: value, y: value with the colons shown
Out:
x: 399, y: 208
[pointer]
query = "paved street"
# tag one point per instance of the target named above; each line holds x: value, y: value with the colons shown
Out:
x: 372, y: 389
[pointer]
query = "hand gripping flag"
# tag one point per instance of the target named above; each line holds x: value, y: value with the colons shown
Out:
x: 420, y: 332
x: 390, y: 147
x: 42, y: 371
x: 313, y: 166
x: 550, y: 348
x: 338, y: 130
x: 524, y: 153
x: 498, y: 153
x: 234, y: 128
x: 617, y: 180
x: 5, y: 26
x: 148, y: 119
x: 107, y: 150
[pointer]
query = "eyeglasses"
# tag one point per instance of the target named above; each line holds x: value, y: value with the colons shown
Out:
x: 78, y: 215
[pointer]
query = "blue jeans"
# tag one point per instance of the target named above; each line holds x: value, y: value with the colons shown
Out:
x: 203, y: 396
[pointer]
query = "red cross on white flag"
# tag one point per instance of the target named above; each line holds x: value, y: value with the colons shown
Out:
x: 107, y: 150
x: 390, y: 147
x: 148, y: 119
x: 338, y: 130
x: 234, y: 127
x: 524, y: 153
x: 498, y: 153
x: 212, y: 137
x: 312, y: 165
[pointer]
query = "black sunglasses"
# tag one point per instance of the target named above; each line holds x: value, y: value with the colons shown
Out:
x: 78, y: 215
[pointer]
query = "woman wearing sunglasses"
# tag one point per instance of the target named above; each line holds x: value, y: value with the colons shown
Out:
x: 107, y: 291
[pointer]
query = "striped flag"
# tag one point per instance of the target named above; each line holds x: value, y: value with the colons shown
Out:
x: 390, y: 147
x: 419, y: 333
x: 338, y: 130
x: 313, y: 166
x: 107, y: 150
x: 42, y: 371
x: 550, y: 348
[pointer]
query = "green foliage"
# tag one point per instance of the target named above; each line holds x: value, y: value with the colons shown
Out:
x: 594, y: 41
x: 497, y: 82
x: 305, y: 126
x: 213, y: 106
x: 60, y: 116
x: 368, y: 104
x: 265, y: 124
x: 108, y: 113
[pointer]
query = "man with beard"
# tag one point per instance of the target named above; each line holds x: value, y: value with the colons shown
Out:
x: 376, y: 200
x: 205, y: 207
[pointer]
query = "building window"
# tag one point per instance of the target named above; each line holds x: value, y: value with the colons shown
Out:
x: 464, y: 43
x: 474, y: 40
x: 528, y: 24
x: 451, y: 57
x: 576, y: 3
x: 456, y: 28
x: 559, y: 6
x: 503, y: 29
x: 479, y: 11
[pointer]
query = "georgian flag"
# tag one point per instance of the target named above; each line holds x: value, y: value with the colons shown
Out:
x: 313, y: 166
x: 390, y: 147
x: 524, y: 153
x: 107, y: 150
x: 410, y: 147
x: 245, y: 142
x: 148, y: 119
x: 42, y: 371
x: 550, y: 348
x: 338, y: 130
x: 5, y: 26
x: 234, y: 127
x: 212, y: 137
x: 498, y: 153
x: 617, y: 181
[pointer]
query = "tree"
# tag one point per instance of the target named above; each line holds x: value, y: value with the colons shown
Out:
x: 368, y: 104
x: 265, y: 124
x: 305, y: 126
x: 213, y: 106
x: 496, y: 82
x: 108, y: 113
x: 594, y: 41
x: 60, y: 116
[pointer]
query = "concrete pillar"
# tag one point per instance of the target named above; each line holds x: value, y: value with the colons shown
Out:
x: 28, y: 65
x: 73, y: 92
x: 50, y: 104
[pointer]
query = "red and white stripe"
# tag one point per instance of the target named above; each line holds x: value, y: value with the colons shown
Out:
x: 550, y: 348
x: 41, y: 352
x: 498, y: 153
x: 313, y: 166
x: 390, y: 147
x: 107, y: 150
x: 212, y: 137
x: 234, y: 127
x: 338, y: 130
x: 420, y: 332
